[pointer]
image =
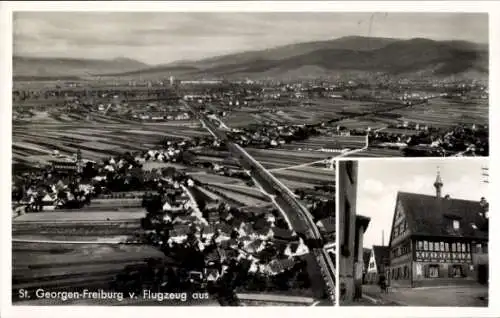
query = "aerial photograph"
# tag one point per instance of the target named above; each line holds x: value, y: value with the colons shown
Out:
x: 420, y: 234
x: 176, y: 158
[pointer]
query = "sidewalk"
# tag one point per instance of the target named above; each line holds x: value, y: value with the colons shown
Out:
x: 455, y: 296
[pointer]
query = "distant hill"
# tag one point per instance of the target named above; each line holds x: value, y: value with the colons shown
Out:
x: 356, y: 43
x: 33, y: 67
x: 352, y: 56
x: 347, y: 56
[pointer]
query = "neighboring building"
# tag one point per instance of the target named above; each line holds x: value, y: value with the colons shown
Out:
x: 327, y: 228
x: 379, y: 259
x: 352, y: 228
x: 366, y: 259
x: 63, y: 165
x: 438, y: 240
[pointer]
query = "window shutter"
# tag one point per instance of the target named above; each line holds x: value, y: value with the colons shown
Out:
x: 426, y: 271
x: 450, y: 271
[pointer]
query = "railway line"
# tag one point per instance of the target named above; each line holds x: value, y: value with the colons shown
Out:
x: 301, y: 219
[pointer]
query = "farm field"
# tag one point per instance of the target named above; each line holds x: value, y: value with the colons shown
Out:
x: 445, y: 113
x: 79, y: 216
x: 438, y: 112
x: 407, y: 132
x: 307, y: 175
x: 299, y: 112
x: 328, y: 142
x: 238, y: 195
x: 150, y: 165
x: 46, y: 133
x: 376, y: 152
x: 214, y: 178
x: 285, y: 158
x: 72, y: 266
x: 95, y: 230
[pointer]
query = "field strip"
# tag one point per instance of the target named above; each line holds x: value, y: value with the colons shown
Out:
x: 298, y: 166
x: 105, y: 242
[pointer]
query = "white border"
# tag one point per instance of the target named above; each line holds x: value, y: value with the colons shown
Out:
x: 230, y: 6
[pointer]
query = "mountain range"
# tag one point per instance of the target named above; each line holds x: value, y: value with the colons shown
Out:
x: 46, y: 67
x: 347, y: 56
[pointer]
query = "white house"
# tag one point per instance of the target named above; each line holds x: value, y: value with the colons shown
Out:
x: 300, y: 250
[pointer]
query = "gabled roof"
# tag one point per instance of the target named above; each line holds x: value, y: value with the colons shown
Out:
x: 284, y: 234
x: 430, y: 216
x: 381, y: 254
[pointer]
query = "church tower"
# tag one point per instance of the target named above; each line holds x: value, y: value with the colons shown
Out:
x: 79, y: 166
x: 438, y: 184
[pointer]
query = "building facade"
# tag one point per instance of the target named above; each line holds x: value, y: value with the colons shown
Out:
x: 379, y: 259
x: 352, y: 228
x: 437, y: 240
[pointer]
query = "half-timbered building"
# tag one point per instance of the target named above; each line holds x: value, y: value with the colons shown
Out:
x: 437, y: 240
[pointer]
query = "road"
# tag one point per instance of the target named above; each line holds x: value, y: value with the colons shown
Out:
x: 449, y: 296
x: 300, y: 218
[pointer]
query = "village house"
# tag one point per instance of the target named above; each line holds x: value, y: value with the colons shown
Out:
x: 438, y: 240
x: 366, y: 260
x: 327, y: 228
x: 378, y: 261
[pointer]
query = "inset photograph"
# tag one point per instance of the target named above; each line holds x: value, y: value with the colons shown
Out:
x: 413, y: 232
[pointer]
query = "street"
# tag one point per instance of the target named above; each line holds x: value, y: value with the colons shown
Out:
x: 454, y: 296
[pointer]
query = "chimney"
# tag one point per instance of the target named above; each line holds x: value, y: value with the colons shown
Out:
x: 382, y: 237
x: 438, y: 184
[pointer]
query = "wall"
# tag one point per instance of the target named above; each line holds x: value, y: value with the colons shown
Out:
x: 358, y: 264
x: 399, y: 263
x: 419, y: 279
x: 347, y: 222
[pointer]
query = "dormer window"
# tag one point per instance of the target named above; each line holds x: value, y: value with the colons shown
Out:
x: 456, y: 224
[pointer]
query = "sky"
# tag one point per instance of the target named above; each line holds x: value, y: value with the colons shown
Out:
x: 157, y: 38
x: 380, y: 180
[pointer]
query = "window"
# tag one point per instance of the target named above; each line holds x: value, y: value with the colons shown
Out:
x: 406, y: 272
x: 456, y: 224
x: 420, y: 245
x: 459, y: 247
x: 426, y: 246
x: 434, y: 271
x: 453, y: 247
x: 474, y: 226
x: 478, y: 248
x: 441, y: 246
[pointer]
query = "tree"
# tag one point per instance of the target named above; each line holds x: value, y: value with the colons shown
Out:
x: 17, y: 193
x: 88, y: 171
